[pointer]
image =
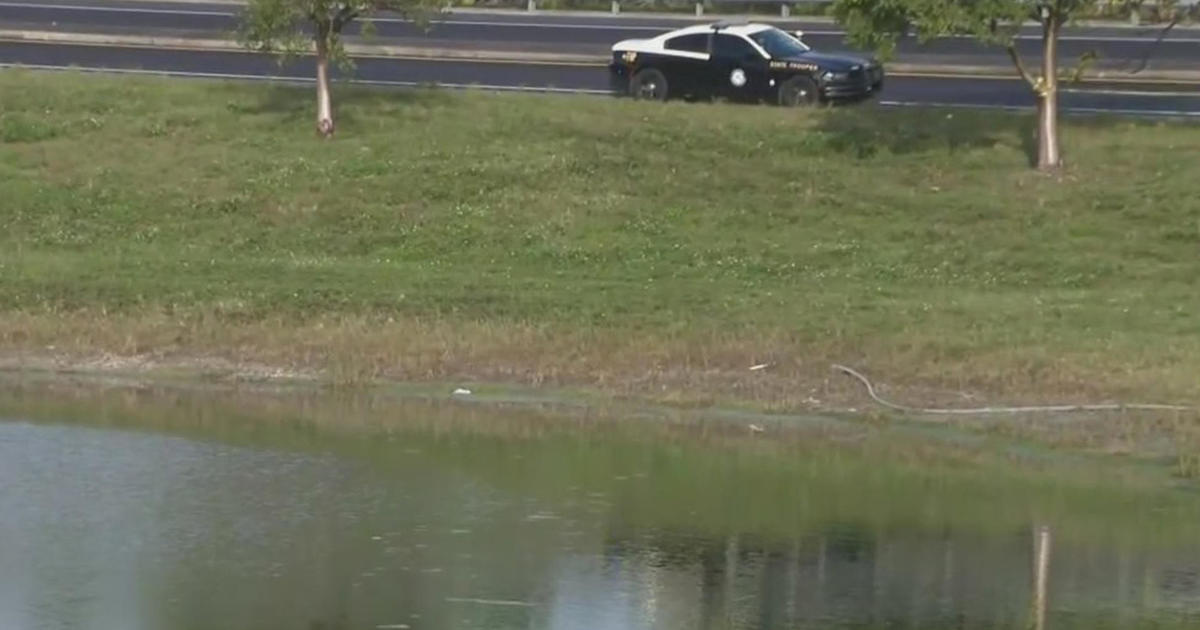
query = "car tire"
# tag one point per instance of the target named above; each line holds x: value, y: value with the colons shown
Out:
x: 799, y: 92
x: 648, y: 84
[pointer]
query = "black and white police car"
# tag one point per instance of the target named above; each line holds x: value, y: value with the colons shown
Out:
x: 744, y: 62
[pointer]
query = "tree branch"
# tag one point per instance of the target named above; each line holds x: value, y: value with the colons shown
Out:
x: 1158, y: 41
x: 1015, y: 55
x: 344, y: 15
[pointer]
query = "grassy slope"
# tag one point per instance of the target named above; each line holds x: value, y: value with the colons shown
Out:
x: 632, y: 247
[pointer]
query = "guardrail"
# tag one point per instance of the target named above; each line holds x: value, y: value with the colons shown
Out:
x: 785, y: 6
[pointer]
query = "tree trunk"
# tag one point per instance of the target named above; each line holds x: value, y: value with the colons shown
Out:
x: 324, y: 104
x: 1049, y: 158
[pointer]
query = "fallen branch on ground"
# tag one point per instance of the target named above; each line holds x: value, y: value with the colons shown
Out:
x: 983, y: 410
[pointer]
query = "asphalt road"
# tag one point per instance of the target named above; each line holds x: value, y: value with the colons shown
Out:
x: 899, y: 91
x: 1117, y: 47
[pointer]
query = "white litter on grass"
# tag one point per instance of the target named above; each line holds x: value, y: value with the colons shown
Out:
x: 760, y: 366
x: 462, y: 392
x: 489, y: 602
x: 393, y: 626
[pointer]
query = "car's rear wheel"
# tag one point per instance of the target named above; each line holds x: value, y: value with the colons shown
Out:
x: 649, y: 84
x: 799, y: 92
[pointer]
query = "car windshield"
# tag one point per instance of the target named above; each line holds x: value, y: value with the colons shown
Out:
x: 778, y: 43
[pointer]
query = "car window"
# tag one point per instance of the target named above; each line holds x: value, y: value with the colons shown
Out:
x: 697, y: 43
x: 779, y: 44
x: 733, y: 47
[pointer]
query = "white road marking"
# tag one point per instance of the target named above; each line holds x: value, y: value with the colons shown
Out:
x: 1121, y: 92
x: 75, y: 7
x: 1112, y: 38
x: 598, y: 27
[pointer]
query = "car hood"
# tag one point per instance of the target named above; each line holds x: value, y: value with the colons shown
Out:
x: 630, y: 44
x: 837, y: 62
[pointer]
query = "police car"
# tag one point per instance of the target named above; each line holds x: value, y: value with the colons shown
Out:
x: 745, y: 62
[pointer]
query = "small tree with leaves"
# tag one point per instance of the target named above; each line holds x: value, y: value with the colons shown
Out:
x: 295, y: 27
x: 879, y: 24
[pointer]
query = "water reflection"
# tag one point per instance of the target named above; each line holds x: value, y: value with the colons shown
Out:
x: 123, y: 529
x: 848, y: 577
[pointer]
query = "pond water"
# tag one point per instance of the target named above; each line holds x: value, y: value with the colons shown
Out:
x: 180, y: 514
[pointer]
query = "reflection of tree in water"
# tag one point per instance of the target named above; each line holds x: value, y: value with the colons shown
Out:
x: 852, y: 576
x: 747, y: 582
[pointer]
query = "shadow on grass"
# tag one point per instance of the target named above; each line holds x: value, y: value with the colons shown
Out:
x: 295, y: 102
x: 865, y: 131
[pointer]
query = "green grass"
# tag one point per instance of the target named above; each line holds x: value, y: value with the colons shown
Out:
x: 634, y: 248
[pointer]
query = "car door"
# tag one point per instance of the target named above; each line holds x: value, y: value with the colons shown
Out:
x: 685, y: 62
x: 737, y: 70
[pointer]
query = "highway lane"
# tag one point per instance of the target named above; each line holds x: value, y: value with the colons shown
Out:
x: 233, y: 64
x: 563, y: 19
x: 1116, y: 47
x: 555, y: 77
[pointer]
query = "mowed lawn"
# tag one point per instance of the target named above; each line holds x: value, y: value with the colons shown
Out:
x: 631, y: 247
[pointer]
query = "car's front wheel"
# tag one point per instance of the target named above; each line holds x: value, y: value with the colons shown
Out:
x: 649, y: 84
x: 799, y: 92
